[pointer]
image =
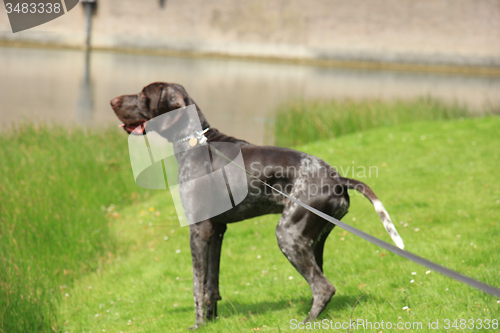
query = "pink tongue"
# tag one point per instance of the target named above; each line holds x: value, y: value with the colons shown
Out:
x: 139, y: 129
x: 122, y: 125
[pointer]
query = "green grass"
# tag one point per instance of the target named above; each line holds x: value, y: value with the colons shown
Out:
x: 83, y: 249
x: 52, y: 228
x: 300, y: 122
x: 439, y: 182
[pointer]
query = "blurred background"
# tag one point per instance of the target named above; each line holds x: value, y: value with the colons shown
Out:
x: 241, y: 60
x: 77, y: 235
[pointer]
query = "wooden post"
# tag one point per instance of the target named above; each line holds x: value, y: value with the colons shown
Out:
x: 89, y: 6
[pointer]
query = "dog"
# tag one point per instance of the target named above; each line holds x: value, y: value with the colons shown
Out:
x: 301, y: 235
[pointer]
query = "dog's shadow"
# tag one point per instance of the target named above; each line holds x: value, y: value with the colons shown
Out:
x: 228, y: 309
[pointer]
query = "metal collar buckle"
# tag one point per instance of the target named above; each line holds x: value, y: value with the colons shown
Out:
x: 197, y: 138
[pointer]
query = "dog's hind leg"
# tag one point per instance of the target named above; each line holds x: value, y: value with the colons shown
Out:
x: 214, y: 250
x: 297, y: 232
x: 335, y: 206
x: 320, y: 245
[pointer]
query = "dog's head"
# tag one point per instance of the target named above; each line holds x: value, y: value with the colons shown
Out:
x: 155, y: 99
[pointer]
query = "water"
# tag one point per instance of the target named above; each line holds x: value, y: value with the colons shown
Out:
x: 237, y: 97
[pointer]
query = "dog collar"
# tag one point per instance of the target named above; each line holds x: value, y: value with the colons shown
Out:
x: 194, y: 139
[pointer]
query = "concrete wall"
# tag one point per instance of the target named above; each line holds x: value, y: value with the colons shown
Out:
x: 435, y: 32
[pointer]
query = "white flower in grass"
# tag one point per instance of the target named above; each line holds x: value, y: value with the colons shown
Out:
x: 405, y: 307
x: 177, y: 251
x: 428, y: 272
x: 411, y: 281
x: 290, y: 278
x: 413, y: 273
x: 259, y: 256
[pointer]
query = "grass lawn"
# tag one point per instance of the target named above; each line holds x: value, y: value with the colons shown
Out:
x: 299, y: 122
x: 52, y: 228
x: 438, y: 180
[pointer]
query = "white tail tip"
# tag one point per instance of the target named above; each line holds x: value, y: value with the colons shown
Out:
x: 389, y: 226
x: 399, y: 242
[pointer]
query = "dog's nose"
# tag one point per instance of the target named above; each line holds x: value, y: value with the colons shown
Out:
x: 114, y: 102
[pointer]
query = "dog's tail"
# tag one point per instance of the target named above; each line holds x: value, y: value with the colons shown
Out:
x: 377, y: 204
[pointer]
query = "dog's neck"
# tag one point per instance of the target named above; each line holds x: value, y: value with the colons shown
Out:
x: 188, y: 127
x: 181, y: 125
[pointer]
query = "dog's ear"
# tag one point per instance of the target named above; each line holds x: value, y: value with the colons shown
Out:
x: 163, y: 98
x: 169, y: 123
x: 170, y: 99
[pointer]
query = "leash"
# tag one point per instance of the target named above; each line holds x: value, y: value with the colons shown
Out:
x: 389, y: 247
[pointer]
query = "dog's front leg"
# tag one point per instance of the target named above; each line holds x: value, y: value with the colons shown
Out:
x: 214, y: 250
x: 199, y: 236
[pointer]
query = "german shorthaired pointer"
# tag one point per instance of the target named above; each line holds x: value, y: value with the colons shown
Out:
x: 301, y: 235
